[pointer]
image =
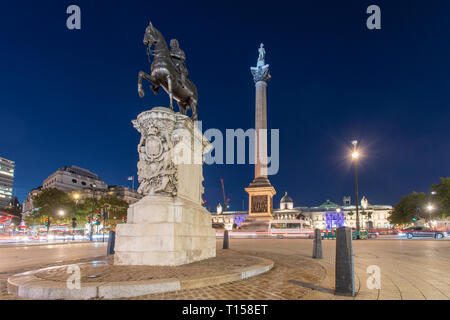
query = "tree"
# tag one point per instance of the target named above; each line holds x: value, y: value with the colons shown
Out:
x: 48, y: 203
x: 442, y: 196
x: 408, y: 207
x: 113, y: 205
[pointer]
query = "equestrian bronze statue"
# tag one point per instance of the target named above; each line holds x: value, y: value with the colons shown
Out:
x: 168, y: 70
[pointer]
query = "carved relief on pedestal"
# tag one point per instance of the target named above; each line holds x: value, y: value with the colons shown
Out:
x: 164, y: 136
x: 156, y: 171
x: 259, y: 204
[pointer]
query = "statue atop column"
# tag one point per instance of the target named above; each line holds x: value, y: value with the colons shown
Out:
x: 261, y: 71
x: 262, y: 54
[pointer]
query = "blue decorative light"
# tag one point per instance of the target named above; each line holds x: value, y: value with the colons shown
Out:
x: 239, y: 219
x: 333, y: 219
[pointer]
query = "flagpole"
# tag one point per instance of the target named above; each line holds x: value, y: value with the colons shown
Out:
x: 132, y: 183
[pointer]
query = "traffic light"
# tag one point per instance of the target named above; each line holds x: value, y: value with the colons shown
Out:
x: 124, y: 219
x: 88, y: 220
x: 74, y: 222
x: 47, y: 222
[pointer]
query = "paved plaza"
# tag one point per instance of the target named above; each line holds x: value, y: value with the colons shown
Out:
x: 410, y: 269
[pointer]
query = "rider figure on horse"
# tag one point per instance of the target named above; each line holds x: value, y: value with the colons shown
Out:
x: 178, y: 58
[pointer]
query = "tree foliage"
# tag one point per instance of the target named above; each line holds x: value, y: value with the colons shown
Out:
x: 408, y: 207
x: 442, y: 197
x: 115, y: 207
x: 48, y: 203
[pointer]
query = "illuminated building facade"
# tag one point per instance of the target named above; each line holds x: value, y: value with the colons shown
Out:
x: 6, y: 181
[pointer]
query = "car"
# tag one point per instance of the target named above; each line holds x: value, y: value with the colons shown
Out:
x: 373, y: 234
x: 423, y: 232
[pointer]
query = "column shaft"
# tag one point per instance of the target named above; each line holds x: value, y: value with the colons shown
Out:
x: 261, y: 135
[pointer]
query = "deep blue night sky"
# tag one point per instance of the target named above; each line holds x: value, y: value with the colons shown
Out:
x: 68, y: 97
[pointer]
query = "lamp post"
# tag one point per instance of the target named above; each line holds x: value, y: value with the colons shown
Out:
x: 106, y: 211
x: 430, y: 210
x: 76, y: 196
x: 61, y: 214
x: 355, y: 157
x: 92, y: 213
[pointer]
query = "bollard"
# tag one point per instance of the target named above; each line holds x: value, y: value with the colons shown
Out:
x: 345, y: 280
x: 111, y: 242
x: 225, y: 240
x: 317, y: 244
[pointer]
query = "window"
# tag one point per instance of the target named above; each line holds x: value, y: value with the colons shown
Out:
x: 74, y: 180
x: 83, y: 183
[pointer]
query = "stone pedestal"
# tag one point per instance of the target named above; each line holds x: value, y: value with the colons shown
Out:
x: 260, y: 202
x: 169, y: 226
x: 166, y: 231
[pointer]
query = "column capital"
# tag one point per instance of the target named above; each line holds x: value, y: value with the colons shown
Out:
x: 260, y: 73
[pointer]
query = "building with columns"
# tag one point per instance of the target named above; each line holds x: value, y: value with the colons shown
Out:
x: 328, y: 215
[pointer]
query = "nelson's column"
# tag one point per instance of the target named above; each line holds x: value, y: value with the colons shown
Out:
x: 260, y: 191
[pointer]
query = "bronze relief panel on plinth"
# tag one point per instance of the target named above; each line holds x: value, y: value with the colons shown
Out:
x: 259, y: 204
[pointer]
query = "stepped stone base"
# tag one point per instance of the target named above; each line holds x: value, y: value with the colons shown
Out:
x: 165, y: 231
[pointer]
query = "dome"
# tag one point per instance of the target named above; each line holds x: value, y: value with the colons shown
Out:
x: 286, y: 202
x: 329, y: 204
x: 286, y: 198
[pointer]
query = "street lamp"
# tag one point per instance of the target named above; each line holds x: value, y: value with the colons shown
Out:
x: 430, y: 210
x: 355, y: 157
x: 61, y: 214
x: 76, y: 196
x: 93, y: 186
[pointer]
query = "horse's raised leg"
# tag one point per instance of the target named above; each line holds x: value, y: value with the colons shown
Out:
x: 140, y: 91
x: 141, y: 75
x: 169, y: 85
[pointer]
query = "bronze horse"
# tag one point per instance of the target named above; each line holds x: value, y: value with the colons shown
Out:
x: 164, y: 74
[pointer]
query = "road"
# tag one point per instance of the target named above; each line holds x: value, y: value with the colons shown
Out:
x: 410, y: 269
x: 25, y: 258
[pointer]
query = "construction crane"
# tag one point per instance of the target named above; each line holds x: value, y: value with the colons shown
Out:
x: 225, y: 200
